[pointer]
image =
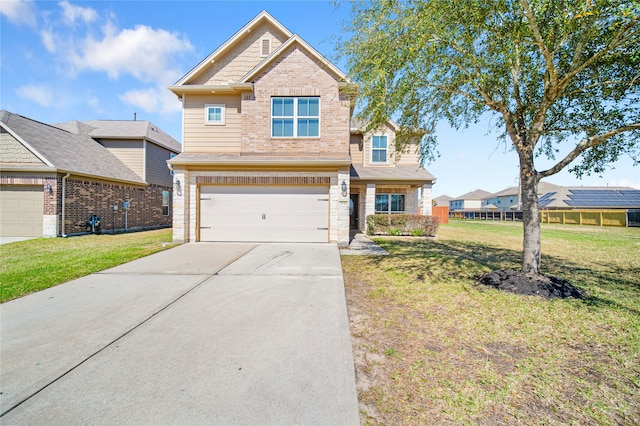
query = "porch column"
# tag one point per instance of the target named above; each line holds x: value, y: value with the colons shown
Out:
x: 426, y: 207
x: 369, y: 203
x: 180, y: 208
x: 342, y: 235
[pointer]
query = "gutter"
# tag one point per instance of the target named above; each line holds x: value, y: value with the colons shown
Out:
x: 64, y: 193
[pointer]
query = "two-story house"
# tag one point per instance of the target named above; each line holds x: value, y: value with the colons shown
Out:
x: 269, y: 150
x: 53, y: 178
x: 469, y: 201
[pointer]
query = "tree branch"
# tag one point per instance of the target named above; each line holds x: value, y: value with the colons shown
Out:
x: 586, y: 144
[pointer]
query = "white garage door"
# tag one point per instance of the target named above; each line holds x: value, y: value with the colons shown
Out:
x: 21, y: 209
x: 264, y: 213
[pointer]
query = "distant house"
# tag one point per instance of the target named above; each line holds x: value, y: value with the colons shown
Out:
x: 53, y: 178
x: 555, y: 197
x: 590, y: 198
x: 469, y: 201
x: 509, y: 198
x: 442, y: 200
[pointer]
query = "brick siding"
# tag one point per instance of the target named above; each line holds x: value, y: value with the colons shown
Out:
x: 84, y: 198
x: 295, y: 74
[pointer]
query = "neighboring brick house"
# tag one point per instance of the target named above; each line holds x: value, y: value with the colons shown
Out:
x: 53, y: 178
x: 269, y: 150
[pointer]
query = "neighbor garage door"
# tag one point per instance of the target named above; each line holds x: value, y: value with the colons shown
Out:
x: 264, y: 213
x: 21, y: 209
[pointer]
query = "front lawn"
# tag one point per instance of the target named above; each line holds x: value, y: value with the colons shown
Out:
x: 433, y: 347
x: 33, y: 265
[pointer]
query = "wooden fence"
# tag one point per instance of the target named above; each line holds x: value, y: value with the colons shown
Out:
x: 585, y: 217
x: 565, y: 217
x: 442, y: 213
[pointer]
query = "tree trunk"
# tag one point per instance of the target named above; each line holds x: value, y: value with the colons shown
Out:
x: 530, y: 217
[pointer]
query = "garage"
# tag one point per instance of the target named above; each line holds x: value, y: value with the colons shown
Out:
x: 264, y: 213
x: 21, y: 210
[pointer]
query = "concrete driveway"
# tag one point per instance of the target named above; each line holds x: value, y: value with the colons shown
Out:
x: 205, y: 333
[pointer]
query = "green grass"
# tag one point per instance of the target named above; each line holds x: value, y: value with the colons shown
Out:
x: 33, y: 265
x: 434, y: 347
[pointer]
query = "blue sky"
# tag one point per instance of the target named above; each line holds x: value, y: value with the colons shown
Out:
x: 85, y: 60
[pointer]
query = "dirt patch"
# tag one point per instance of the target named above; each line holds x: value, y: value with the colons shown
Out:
x: 518, y: 282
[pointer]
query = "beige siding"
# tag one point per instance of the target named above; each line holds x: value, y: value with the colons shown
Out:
x: 130, y: 152
x: 355, y: 149
x: 199, y: 137
x: 157, y: 171
x: 410, y: 157
x: 241, y: 58
x: 12, y: 151
x: 391, y: 140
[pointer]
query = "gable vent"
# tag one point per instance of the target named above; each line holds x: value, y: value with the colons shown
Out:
x: 265, y: 47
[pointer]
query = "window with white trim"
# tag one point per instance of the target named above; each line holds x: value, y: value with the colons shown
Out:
x: 379, y: 149
x: 390, y: 203
x: 214, y: 114
x: 295, y: 117
x: 171, y: 156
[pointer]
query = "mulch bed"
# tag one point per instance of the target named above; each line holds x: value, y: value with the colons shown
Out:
x: 518, y: 282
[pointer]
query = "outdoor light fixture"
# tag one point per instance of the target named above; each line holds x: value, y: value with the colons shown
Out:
x: 178, y: 187
x: 48, y: 189
x: 344, y: 188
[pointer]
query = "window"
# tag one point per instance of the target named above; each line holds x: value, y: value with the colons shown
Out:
x: 379, y: 149
x: 214, y: 114
x: 171, y: 156
x: 166, y: 201
x: 295, y: 117
x: 389, y: 203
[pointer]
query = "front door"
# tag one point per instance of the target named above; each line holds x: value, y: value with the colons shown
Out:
x: 353, y: 211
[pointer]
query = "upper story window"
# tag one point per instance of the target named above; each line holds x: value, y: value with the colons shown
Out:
x: 295, y: 117
x: 214, y: 114
x: 379, y: 149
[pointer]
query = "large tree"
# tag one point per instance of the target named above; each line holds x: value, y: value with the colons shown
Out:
x: 561, y: 76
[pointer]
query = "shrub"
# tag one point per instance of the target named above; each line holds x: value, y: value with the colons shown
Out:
x: 402, y: 224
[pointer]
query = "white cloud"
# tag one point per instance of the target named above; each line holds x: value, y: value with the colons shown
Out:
x: 143, y: 52
x: 49, y: 40
x: 152, y: 100
x: 39, y: 94
x: 73, y: 13
x: 19, y: 12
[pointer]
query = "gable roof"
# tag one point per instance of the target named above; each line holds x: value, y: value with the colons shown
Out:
x: 543, y: 188
x: 244, y: 83
x: 357, y: 125
x: 261, y: 17
x: 444, y: 199
x: 63, y: 151
x: 122, y: 129
x: 294, y: 39
x: 478, y: 194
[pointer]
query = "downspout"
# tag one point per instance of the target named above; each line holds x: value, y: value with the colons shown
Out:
x: 64, y: 193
